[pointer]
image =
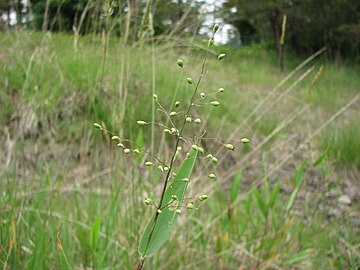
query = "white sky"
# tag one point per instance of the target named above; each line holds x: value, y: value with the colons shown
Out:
x: 222, y: 36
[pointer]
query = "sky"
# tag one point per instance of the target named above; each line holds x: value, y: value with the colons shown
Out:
x: 226, y: 30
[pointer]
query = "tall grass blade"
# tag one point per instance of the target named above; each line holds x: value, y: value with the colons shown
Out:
x: 274, y: 195
x: 94, y: 234
x: 63, y: 258
x: 298, y: 180
x: 260, y: 202
x: 140, y: 143
x: 235, y: 187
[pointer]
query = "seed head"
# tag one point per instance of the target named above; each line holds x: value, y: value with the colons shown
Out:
x: 177, y: 104
x: 98, y: 126
x: 173, y: 131
x: 161, y: 168
x: 210, y: 42
x: 209, y: 156
x: 141, y: 123
x: 216, y: 27
x: 221, y: 56
x: 166, y: 168
x: 174, y: 197
x: 212, y: 176
x: 202, y: 95
x: 201, y: 150
x: 147, y: 201
x: 190, y: 206
x: 120, y: 145
x: 115, y: 138
x: 214, y: 160
x: 186, y: 179
x: 178, y: 211
x: 245, y: 140
x: 215, y: 103
x: 189, y: 80
x: 221, y: 90
x: 195, y: 147
x: 180, y: 63
x: 198, y: 121
x: 202, y: 197
x: 173, y: 113
x: 127, y: 151
x: 188, y: 119
x: 136, y: 151
x: 148, y: 163
x: 166, y: 130
x: 179, y: 148
x: 155, y: 96
x: 230, y: 147
x: 159, y: 211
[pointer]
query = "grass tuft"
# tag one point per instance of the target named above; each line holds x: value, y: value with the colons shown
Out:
x: 343, y: 143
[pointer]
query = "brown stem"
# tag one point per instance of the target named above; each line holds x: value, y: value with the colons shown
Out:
x: 140, y: 264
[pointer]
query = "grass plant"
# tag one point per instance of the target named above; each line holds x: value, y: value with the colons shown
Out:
x: 71, y: 200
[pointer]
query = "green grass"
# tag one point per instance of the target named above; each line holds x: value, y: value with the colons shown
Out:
x: 335, y: 82
x: 342, y: 143
x: 290, y: 240
x: 66, y: 187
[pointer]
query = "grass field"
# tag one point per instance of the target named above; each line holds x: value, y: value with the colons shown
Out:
x: 70, y: 199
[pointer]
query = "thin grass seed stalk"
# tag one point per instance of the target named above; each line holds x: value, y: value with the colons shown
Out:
x: 176, y: 180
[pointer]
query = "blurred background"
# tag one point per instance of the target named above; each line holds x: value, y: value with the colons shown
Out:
x: 287, y: 200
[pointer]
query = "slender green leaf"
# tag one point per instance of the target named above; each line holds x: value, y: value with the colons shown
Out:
x: 323, y: 169
x: 166, y: 220
x: 299, y: 175
x: 94, y: 234
x: 260, y: 202
x: 248, y: 204
x: 140, y: 143
x: 302, y: 255
x: 321, y: 157
x: 274, y: 195
x: 235, y: 187
x: 298, y: 180
x: 64, y: 260
x: 291, y: 200
x: 243, y: 226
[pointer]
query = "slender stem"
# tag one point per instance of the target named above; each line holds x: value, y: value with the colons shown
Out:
x: 153, y: 101
x: 178, y: 138
x: 150, y: 154
x: 104, y: 58
x: 140, y: 264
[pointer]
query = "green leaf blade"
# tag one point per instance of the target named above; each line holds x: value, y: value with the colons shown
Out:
x: 235, y: 187
x: 167, y: 219
x: 94, y: 234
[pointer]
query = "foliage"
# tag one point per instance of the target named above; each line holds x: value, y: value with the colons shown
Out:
x: 311, y: 24
x: 342, y: 143
x: 62, y: 187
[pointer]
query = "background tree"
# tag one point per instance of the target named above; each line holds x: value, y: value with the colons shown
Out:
x: 11, y: 6
x: 175, y: 16
x: 311, y: 25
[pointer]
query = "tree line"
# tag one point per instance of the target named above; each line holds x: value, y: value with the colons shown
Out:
x: 308, y: 26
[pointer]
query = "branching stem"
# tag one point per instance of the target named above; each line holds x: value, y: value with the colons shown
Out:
x: 178, y: 138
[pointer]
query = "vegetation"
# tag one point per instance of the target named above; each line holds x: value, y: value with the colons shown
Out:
x: 72, y: 198
x: 341, y: 143
x: 310, y: 25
